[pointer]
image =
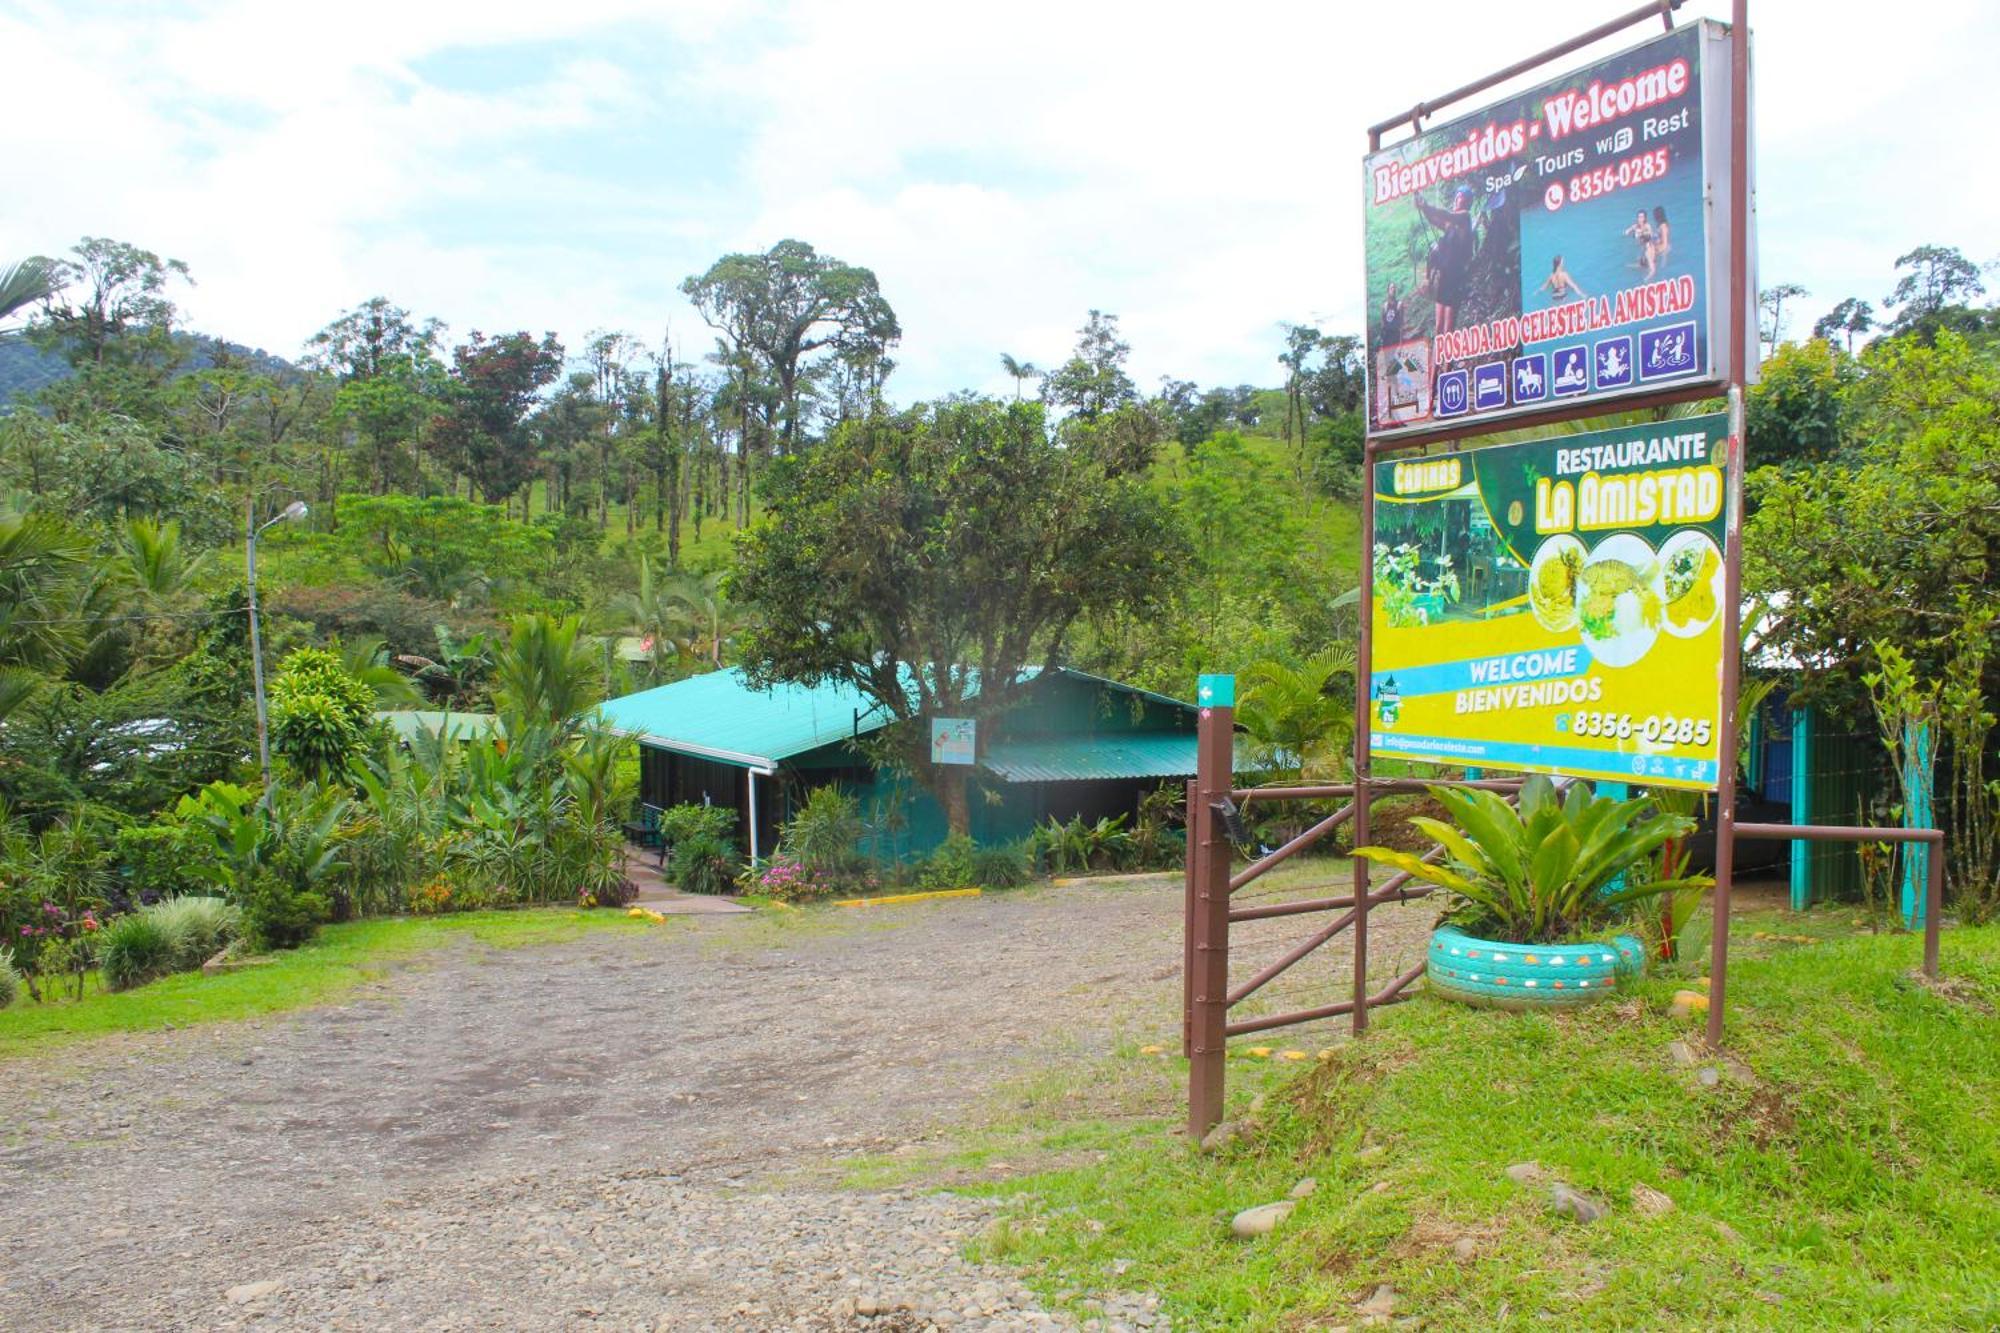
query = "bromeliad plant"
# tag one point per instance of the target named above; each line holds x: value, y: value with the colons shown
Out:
x: 1538, y: 872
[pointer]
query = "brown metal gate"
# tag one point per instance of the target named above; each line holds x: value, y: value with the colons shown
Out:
x: 1207, y: 995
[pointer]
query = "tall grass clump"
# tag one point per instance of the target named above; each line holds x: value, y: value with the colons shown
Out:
x: 177, y: 935
x: 197, y: 928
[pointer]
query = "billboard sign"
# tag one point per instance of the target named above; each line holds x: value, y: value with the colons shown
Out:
x: 1555, y: 606
x: 1566, y: 246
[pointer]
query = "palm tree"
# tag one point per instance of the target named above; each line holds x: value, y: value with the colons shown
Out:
x: 44, y: 563
x: 153, y: 555
x: 1296, y: 713
x: 1022, y: 371
x: 368, y: 661
x: 25, y: 283
x: 706, y: 612
x: 548, y: 678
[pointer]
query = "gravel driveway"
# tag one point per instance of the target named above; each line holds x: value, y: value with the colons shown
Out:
x: 626, y: 1130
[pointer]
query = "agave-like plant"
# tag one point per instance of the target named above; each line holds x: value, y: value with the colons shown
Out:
x: 1537, y: 872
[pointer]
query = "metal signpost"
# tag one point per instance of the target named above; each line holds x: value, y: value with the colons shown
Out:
x: 1581, y: 248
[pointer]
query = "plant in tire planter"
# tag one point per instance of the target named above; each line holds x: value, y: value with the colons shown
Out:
x: 1534, y: 919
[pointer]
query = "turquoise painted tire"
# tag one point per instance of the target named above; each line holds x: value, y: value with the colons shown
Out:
x: 1528, y: 976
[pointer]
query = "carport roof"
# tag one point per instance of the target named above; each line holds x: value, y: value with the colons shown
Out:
x: 719, y: 716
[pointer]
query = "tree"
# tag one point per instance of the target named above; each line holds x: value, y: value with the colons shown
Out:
x: 390, y: 380
x: 1093, y: 381
x: 1850, y: 319
x: 1021, y: 371
x: 119, y: 289
x: 483, y: 429
x: 932, y: 558
x: 1302, y: 715
x: 441, y: 546
x: 1893, y: 543
x: 1771, y: 303
x: 320, y: 714
x: 1301, y: 341
x: 1937, y: 282
x: 1796, y: 412
x: 782, y: 306
x: 546, y: 676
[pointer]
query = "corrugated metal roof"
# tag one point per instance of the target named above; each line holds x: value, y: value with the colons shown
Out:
x: 409, y: 723
x: 1133, y: 754
x: 719, y: 716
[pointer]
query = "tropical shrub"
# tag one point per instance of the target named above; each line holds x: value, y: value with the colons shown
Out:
x: 1002, y: 866
x: 1537, y: 872
x: 679, y: 823
x: 321, y: 714
x: 164, y: 860
x: 1078, y: 847
x: 787, y: 879
x: 825, y: 833
x: 132, y: 950
x: 197, y: 928
x: 278, y: 914
x: 10, y: 981
x: 705, y: 863
x: 949, y: 866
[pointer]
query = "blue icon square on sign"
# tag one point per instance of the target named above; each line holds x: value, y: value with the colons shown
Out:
x: 1489, y: 386
x: 1453, y: 399
x: 1572, y: 371
x: 1666, y: 351
x: 1531, y: 378
x: 1612, y: 358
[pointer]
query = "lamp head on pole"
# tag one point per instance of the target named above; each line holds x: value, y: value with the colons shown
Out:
x: 291, y: 512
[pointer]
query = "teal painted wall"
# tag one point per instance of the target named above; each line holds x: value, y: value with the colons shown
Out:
x: 907, y: 818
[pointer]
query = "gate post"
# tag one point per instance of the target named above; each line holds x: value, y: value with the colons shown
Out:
x: 1188, y: 900
x: 1208, y: 904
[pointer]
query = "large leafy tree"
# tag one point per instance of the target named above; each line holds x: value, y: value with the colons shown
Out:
x: 390, y: 380
x: 1896, y: 539
x: 1093, y: 381
x: 1935, y: 291
x: 1796, y: 410
x: 930, y: 558
x: 483, y: 430
x: 784, y: 307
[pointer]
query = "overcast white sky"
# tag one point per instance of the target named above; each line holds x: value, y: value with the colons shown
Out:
x: 1003, y: 168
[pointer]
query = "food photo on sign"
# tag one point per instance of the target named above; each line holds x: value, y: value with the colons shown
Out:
x: 1555, y: 606
x: 1554, y: 247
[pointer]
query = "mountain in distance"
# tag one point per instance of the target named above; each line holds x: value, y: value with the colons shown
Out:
x: 26, y: 369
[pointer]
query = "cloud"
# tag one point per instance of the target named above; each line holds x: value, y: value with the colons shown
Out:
x: 1193, y: 168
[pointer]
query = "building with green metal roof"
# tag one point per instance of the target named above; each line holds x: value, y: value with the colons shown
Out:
x: 1074, y: 744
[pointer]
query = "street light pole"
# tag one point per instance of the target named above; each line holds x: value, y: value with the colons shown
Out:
x: 252, y: 531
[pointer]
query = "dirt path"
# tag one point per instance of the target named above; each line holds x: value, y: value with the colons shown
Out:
x: 626, y: 1130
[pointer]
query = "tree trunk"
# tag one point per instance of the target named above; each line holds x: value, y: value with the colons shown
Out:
x: 948, y: 785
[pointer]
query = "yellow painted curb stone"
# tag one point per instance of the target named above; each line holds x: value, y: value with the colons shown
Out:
x: 908, y: 898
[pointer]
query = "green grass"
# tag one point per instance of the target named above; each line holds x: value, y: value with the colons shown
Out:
x: 1856, y: 1158
x: 338, y: 959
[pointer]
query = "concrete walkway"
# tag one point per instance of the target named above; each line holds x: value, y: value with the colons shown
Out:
x: 642, y: 868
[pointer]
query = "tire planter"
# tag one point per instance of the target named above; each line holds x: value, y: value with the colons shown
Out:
x: 1528, y: 976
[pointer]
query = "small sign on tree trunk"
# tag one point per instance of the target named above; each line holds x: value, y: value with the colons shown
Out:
x: 954, y: 740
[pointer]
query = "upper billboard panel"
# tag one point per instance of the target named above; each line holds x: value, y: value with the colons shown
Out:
x: 1563, y: 247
